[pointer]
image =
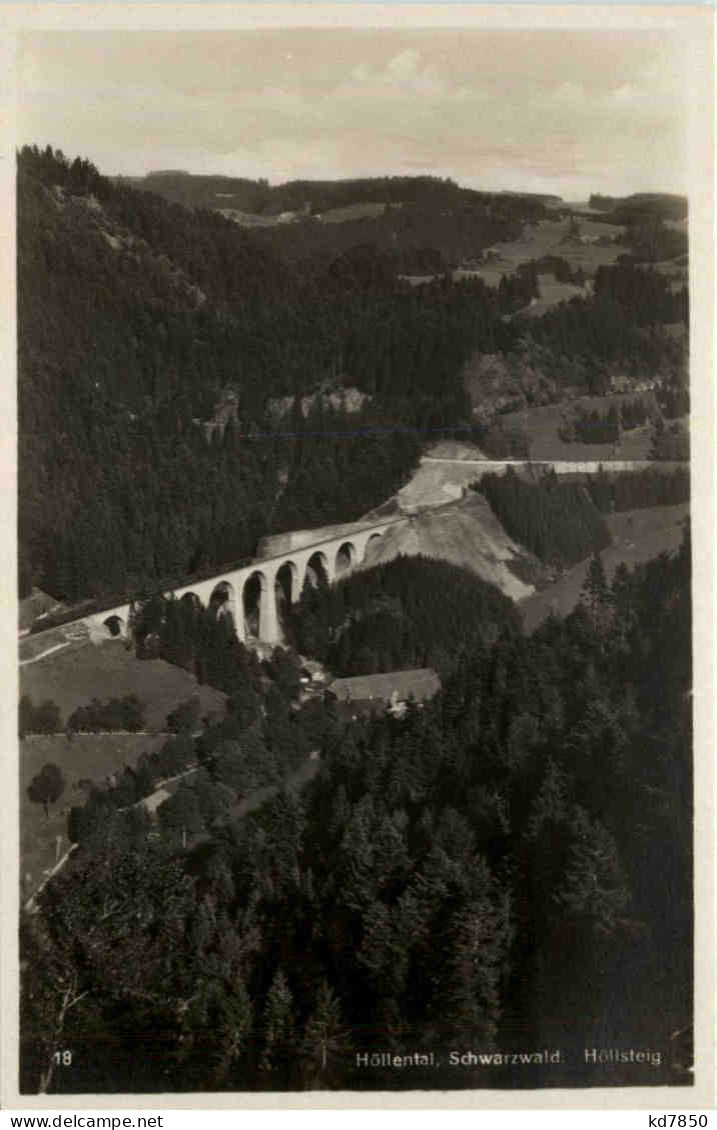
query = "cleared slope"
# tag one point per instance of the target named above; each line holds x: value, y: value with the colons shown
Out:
x: 467, y: 534
x: 443, y: 519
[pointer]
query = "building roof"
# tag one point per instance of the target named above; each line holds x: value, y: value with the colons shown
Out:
x: 37, y: 604
x: 421, y: 682
x: 361, y: 708
x: 155, y: 799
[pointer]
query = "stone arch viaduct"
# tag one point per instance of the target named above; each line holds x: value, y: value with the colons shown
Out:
x: 254, y: 594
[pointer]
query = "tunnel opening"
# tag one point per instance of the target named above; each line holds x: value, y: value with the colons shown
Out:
x: 286, y: 594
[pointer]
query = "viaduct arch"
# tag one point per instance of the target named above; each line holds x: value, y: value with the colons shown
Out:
x: 256, y: 595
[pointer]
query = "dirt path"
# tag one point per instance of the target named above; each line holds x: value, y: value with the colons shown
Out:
x: 49, y: 651
x: 305, y: 773
x: 31, y: 905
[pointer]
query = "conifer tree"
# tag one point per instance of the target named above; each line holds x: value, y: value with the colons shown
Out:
x: 278, y: 1029
x: 593, y: 891
x: 235, y: 1016
x: 326, y: 1041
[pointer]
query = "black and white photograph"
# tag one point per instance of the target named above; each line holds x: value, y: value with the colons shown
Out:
x: 356, y: 394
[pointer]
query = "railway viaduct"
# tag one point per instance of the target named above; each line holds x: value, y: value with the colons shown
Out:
x: 255, y: 593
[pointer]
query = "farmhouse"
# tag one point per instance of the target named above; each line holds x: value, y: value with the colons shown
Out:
x: 620, y: 383
x: 387, y: 693
x: 152, y: 802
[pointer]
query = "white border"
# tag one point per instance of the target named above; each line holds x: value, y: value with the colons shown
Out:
x: 695, y: 23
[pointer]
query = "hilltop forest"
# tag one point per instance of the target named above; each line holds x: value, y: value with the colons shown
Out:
x: 137, y: 314
x: 387, y: 618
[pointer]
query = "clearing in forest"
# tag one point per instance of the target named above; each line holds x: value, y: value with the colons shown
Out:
x: 637, y: 536
x: 74, y: 675
x: 541, y: 425
x: 85, y: 757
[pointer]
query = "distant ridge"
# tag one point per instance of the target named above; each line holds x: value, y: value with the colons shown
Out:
x: 257, y: 196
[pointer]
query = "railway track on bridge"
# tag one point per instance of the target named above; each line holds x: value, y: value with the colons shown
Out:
x: 351, y: 539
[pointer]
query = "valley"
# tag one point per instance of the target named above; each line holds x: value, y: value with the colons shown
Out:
x: 346, y: 508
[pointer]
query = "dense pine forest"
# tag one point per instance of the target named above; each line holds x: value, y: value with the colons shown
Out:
x: 507, y: 868
x: 137, y: 316
x: 387, y: 617
x: 640, y: 489
x: 558, y: 522
x: 625, y: 320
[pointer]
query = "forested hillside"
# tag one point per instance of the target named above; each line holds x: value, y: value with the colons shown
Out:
x: 656, y: 223
x: 315, y: 196
x: 507, y: 869
x: 622, y: 326
x: 388, y: 617
x: 134, y: 316
x: 137, y: 315
x: 558, y: 522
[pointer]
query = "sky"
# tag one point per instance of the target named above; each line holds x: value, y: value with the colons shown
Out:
x: 567, y: 112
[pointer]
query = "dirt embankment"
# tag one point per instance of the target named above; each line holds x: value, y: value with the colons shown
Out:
x: 467, y: 534
x: 436, y: 515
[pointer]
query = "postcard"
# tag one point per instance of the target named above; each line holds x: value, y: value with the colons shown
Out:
x: 361, y: 720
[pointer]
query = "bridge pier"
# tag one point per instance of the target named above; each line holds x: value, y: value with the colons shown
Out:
x: 239, y: 625
x: 268, y: 615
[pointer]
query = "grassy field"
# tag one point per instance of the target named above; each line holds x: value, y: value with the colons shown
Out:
x: 366, y: 211
x: 637, y: 536
x: 87, y: 757
x: 76, y: 674
x: 542, y: 423
x: 249, y: 219
x: 546, y: 238
x: 71, y: 676
x: 677, y: 273
x: 552, y: 293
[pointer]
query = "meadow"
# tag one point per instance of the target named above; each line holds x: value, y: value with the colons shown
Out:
x: 542, y: 423
x: 550, y: 237
x: 85, y: 757
x: 366, y: 211
x: 73, y: 676
x: 637, y: 536
x: 552, y: 293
